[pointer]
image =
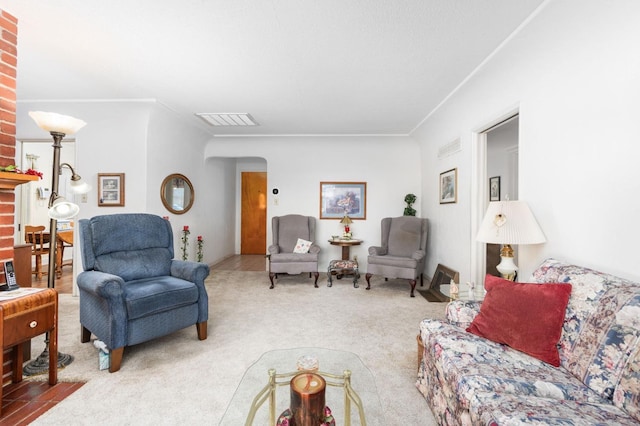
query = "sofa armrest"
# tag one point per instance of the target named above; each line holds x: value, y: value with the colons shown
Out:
x: 314, y: 249
x: 462, y: 312
x: 377, y: 251
x: 418, y: 255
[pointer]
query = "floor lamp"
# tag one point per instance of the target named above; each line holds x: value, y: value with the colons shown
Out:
x: 59, y: 209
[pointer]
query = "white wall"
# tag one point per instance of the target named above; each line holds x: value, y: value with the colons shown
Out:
x: 296, y: 166
x: 573, y: 74
x: 141, y: 139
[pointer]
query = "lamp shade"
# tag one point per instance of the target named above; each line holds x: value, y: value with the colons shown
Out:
x: 53, y: 122
x: 346, y: 220
x: 63, y: 209
x: 79, y: 187
x: 510, y: 222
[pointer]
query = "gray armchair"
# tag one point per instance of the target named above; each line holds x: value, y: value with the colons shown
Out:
x: 132, y: 290
x: 403, y: 250
x: 286, y: 231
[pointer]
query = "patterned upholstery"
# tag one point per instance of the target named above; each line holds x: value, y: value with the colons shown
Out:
x: 470, y: 380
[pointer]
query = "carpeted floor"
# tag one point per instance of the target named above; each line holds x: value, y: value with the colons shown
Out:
x: 180, y: 379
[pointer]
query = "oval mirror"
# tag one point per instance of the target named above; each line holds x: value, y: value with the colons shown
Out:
x: 177, y: 193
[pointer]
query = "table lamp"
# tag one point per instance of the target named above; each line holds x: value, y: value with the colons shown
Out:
x: 507, y: 223
x: 346, y: 221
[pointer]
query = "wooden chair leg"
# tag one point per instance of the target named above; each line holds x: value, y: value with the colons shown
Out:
x: 366, y: 277
x: 316, y: 274
x: 413, y: 287
x: 271, y: 275
x: 201, y: 327
x: 115, y: 359
x: 85, y: 334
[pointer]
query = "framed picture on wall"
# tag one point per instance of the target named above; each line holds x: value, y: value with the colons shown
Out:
x: 494, y: 188
x: 449, y: 186
x: 340, y: 198
x: 110, y: 189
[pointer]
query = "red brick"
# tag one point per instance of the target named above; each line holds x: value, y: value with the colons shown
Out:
x: 7, y: 197
x: 7, y: 70
x: 9, y: 48
x: 9, y: 59
x: 9, y: 37
x: 9, y: 17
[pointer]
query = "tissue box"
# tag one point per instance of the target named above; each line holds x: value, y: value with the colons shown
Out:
x: 104, y: 360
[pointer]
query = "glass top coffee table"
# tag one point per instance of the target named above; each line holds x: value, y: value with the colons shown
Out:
x: 252, y: 397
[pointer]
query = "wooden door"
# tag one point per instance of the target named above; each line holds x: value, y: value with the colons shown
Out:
x: 253, y: 233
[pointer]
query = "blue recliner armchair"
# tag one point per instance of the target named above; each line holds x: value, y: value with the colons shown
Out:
x: 132, y: 290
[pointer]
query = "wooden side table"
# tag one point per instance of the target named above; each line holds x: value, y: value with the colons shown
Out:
x: 346, y: 246
x: 33, y: 312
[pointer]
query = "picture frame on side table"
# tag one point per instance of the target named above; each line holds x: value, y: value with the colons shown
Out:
x: 449, y: 186
x: 340, y: 198
x: 494, y: 188
x: 110, y: 189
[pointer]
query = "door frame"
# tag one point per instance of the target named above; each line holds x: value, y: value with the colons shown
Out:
x: 479, y: 191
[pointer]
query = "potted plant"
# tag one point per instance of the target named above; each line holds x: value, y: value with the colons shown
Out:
x: 410, y: 199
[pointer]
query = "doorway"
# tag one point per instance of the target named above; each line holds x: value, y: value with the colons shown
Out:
x: 32, y: 201
x: 496, y: 154
x: 253, y: 222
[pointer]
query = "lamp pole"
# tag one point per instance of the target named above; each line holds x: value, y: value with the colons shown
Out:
x: 41, y: 363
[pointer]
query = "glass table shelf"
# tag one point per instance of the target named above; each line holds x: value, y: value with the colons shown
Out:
x: 252, y: 397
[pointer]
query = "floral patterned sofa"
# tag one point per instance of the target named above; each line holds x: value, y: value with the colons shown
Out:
x: 470, y: 380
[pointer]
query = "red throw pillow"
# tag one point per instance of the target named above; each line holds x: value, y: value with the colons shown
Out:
x: 527, y: 317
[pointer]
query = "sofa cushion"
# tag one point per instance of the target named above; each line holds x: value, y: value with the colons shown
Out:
x: 627, y: 393
x: 472, y: 364
x: 491, y: 409
x: 527, y: 317
x: 158, y: 294
x: 601, y: 329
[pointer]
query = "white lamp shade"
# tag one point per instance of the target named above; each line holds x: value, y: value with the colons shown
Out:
x: 62, y: 209
x: 79, y: 187
x: 53, y: 122
x: 510, y: 222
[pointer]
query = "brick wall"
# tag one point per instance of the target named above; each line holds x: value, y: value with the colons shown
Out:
x: 8, y: 64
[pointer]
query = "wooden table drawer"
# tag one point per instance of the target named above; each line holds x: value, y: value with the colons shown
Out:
x: 25, y: 325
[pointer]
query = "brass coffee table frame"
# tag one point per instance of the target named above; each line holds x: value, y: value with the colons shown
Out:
x: 269, y: 393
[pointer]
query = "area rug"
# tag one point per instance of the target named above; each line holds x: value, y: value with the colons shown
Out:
x: 180, y: 379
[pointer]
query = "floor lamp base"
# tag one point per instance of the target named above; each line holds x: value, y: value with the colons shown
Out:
x: 40, y: 365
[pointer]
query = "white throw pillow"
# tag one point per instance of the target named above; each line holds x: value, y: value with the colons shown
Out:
x: 302, y: 246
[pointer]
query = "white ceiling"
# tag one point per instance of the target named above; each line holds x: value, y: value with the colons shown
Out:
x: 297, y: 66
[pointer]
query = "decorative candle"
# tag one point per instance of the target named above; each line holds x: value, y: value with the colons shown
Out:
x: 308, y: 399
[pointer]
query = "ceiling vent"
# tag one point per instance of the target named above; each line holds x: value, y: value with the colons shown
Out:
x: 227, y: 119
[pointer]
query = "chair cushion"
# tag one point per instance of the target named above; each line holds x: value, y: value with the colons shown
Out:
x: 150, y: 296
x: 404, y: 236
x: 294, y: 257
x: 135, y: 264
x: 400, y: 262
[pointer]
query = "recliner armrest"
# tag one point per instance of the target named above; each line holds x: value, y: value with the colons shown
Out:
x: 107, y: 286
x: 195, y: 272
x: 377, y: 251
